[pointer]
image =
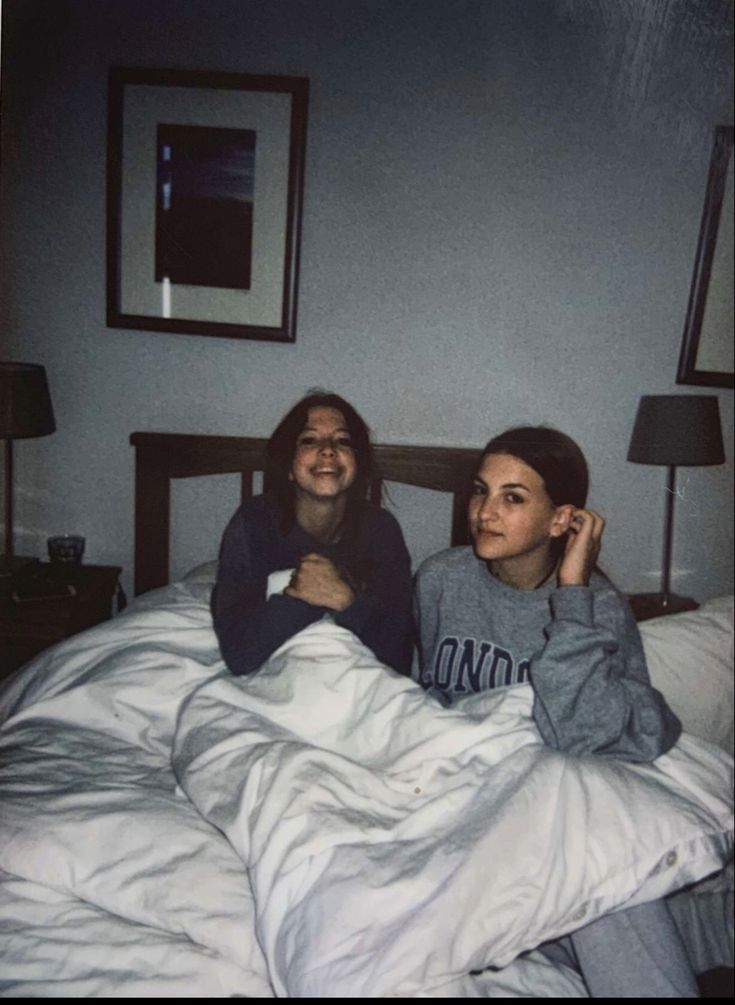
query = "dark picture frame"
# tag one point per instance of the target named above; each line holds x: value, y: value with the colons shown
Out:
x: 706, y: 351
x: 205, y: 183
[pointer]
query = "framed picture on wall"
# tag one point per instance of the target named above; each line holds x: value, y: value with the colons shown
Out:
x: 707, y: 347
x: 205, y: 181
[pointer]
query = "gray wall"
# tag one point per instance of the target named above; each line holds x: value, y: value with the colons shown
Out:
x: 501, y: 210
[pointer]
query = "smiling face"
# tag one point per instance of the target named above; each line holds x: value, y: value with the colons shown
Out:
x: 324, y: 465
x: 510, y: 512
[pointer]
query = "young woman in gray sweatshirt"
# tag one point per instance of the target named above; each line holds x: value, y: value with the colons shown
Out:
x: 526, y: 603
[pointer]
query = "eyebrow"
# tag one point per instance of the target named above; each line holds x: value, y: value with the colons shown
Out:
x: 312, y: 429
x: 507, y: 485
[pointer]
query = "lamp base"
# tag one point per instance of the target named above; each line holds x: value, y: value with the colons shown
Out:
x: 657, y: 605
x: 9, y: 569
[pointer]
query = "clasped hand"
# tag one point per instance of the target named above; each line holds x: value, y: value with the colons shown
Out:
x: 584, y: 539
x: 317, y: 581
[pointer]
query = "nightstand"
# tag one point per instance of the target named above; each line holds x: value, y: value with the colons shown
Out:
x: 650, y: 605
x: 29, y: 627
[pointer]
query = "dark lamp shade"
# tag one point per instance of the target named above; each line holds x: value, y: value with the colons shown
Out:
x: 677, y: 429
x: 25, y: 402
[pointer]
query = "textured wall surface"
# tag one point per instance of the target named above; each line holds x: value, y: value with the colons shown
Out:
x: 502, y: 205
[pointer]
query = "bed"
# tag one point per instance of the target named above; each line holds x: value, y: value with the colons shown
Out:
x: 324, y: 828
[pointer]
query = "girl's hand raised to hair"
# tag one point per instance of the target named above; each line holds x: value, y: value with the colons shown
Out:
x: 317, y: 581
x: 582, y: 549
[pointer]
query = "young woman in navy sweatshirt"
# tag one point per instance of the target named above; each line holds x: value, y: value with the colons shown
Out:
x: 349, y: 557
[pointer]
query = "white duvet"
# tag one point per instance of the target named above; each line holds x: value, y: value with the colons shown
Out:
x: 321, y: 829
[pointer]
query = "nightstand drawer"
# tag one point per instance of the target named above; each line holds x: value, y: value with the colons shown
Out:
x: 28, y: 628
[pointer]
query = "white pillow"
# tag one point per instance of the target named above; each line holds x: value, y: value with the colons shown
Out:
x: 206, y: 574
x: 198, y: 582
x: 690, y: 659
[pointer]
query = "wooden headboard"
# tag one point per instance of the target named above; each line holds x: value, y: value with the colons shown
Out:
x: 159, y: 457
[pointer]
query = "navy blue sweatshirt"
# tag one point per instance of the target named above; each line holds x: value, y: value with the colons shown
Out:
x: 251, y: 628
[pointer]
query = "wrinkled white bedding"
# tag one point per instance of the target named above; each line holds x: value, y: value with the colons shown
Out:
x: 394, y: 844
x: 128, y: 891
x: 114, y: 881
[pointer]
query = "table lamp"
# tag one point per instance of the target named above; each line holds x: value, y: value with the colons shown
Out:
x: 674, y: 430
x: 25, y: 411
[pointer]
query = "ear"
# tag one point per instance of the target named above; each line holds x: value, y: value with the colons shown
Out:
x: 561, y: 520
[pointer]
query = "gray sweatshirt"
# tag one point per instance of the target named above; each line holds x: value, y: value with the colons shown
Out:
x: 578, y: 646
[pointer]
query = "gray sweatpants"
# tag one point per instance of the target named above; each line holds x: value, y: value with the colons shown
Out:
x: 637, y: 953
